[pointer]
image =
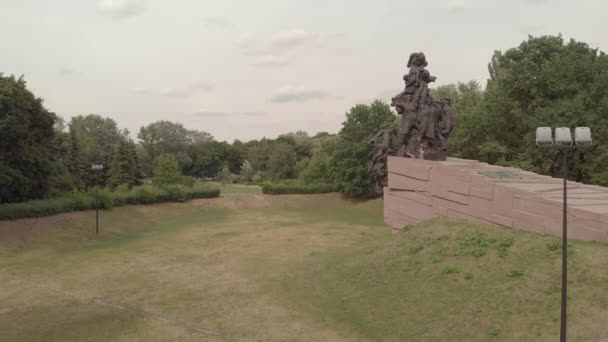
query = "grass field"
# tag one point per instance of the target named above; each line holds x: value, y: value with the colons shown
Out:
x: 249, y: 267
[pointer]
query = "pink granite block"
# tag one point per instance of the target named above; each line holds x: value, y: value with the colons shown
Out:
x: 410, y: 208
x: 505, y: 221
x: 462, y: 216
x: 529, y: 222
x: 421, y: 197
x: 481, y: 188
x: 399, y: 182
x: 479, y: 207
x: 537, y: 206
x: 454, y: 180
x: 586, y: 234
x: 450, y: 205
x: 398, y: 220
x: 502, y: 200
x: 413, y: 168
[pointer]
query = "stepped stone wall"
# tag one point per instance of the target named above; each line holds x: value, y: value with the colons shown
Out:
x: 466, y: 189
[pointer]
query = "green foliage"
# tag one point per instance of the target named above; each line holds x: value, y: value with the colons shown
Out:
x: 225, y: 176
x: 351, y: 154
x: 104, y: 199
x: 503, y: 246
x: 438, y: 255
x: 247, y: 172
x: 167, y: 170
x: 188, y: 181
x: 315, y: 169
x: 555, y: 246
x: 451, y: 270
x: 474, y: 244
x: 258, y: 177
x: 545, y: 81
x: 493, y: 331
x: 516, y: 273
x: 296, y: 188
x: 415, y: 249
x: 26, y: 131
x: 282, y: 161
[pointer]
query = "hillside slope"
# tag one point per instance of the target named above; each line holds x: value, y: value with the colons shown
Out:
x: 456, y: 281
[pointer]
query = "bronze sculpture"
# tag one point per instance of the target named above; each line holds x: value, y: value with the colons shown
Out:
x: 425, y: 124
x: 383, y: 142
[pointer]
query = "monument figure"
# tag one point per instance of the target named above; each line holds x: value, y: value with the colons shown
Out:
x: 425, y: 123
x: 383, y: 142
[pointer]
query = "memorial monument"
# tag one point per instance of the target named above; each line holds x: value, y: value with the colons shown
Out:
x: 425, y: 124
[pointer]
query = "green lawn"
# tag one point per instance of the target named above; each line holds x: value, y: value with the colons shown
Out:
x: 287, y: 268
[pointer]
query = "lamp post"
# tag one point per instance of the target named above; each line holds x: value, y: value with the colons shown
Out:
x: 563, y: 142
x: 97, y: 167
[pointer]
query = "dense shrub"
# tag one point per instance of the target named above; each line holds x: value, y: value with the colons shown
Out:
x: 75, y: 201
x: 297, y: 188
x: 188, y: 181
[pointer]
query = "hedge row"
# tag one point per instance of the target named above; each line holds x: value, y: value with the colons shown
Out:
x: 89, y: 200
x: 291, y: 188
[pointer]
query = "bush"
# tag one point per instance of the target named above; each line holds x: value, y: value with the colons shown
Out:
x: 188, y: 181
x: 202, y: 191
x: 146, y: 194
x: 74, y: 201
x: 295, y: 188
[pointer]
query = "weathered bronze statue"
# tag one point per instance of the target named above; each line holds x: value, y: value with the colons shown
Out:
x: 425, y: 123
x: 383, y: 142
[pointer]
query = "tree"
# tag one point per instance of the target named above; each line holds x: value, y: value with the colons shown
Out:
x: 165, y: 137
x: 545, y: 82
x: 77, y: 165
x: 119, y: 172
x: 282, y: 161
x: 247, y: 172
x: 98, y: 137
x: 134, y: 170
x: 466, y: 138
x: 350, y: 153
x: 167, y: 170
x: 26, y: 132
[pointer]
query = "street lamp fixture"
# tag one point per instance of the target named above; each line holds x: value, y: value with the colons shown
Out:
x: 97, y: 167
x: 563, y: 142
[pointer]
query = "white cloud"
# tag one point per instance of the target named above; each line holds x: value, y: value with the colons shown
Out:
x: 176, y: 92
x: 120, y: 9
x: 207, y: 113
x: 298, y: 94
x: 293, y: 39
x: 271, y: 61
x: 280, y: 42
x: 456, y: 5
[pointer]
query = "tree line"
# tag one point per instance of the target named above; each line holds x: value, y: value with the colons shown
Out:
x: 545, y: 81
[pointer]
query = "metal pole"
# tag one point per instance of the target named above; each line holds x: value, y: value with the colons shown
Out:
x: 564, y: 252
x: 97, y: 214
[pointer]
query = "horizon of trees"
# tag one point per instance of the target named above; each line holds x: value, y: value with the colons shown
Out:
x: 543, y: 81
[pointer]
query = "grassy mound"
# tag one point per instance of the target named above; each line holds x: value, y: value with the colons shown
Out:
x: 295, y: 188
x: 456, y: 281
x: 105, y: 200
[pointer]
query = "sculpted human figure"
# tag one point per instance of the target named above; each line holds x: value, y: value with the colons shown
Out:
x: 382, y: 141
x: 425, y: 123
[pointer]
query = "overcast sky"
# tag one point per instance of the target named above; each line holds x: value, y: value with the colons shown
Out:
x: 244, y: 69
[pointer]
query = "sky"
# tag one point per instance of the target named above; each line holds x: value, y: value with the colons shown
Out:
x: 245, y: 69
